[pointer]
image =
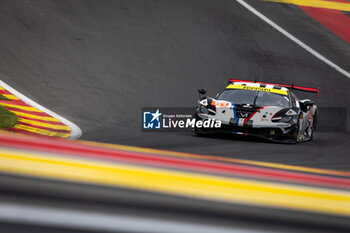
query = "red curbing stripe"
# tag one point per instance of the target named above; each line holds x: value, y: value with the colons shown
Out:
x: 42, y: 135
x: 44, y: 128
x: 5, y: 92
x: 29, y: 112
x: 335, y: 20
x: 36, y: 119
x: 16, y: 102
x: 43, y: 121
x: 22, y: 131
x: 71, y: 148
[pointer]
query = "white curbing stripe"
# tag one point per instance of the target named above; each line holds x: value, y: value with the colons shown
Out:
x: 75, y: 132
x: 293, y: 38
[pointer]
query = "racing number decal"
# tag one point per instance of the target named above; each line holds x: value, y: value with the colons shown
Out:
x: 220, y: 104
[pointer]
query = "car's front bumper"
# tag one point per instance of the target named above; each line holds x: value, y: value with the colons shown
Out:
x: 270, y: 133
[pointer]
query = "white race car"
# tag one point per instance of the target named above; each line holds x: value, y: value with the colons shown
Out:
x: 267, y: 110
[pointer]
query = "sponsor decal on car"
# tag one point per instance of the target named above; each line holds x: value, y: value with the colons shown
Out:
x: 264, y: 89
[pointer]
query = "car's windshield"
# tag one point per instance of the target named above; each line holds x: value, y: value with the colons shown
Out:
x: 253, y: 97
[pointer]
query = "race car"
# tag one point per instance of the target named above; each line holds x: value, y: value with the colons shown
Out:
x: 267, y: 110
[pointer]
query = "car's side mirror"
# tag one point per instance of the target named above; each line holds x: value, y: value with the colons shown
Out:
x: 304, y: 104
x: 308, y: 103
x: 202, y: 91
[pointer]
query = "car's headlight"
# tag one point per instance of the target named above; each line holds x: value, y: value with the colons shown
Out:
x: 286, y: 119
x: 286, y: 115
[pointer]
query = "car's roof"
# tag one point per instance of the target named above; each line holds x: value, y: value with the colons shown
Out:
x: 258, y: 87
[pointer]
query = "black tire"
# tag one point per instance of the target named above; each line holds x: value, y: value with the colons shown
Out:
x: 314, y: 125
x: 198, y: 132
x: 296, y: 131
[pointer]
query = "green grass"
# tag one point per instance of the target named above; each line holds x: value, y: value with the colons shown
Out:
x: 7, y: 118
x: 2, y: 97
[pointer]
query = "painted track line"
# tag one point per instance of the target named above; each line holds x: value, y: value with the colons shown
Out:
x: 294, y: 39
x: 330, y: 5
x: 75, y: 130
x: 199, y: 186
x: 104, y: 222
x: 148, y: 159
x: 218, y: 159
x: 335, y: 21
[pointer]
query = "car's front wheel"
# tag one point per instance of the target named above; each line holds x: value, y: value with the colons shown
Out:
x: 314, y: 125
x: 296, y: 131
x: 198, y: 132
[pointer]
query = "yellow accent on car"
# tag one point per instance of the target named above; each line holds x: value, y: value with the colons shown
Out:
x: 245, y: 87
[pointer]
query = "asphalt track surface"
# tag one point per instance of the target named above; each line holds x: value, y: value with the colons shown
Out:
x: 97, y: 63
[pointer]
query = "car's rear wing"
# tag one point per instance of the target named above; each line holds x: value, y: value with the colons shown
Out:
x: 299, y: 88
